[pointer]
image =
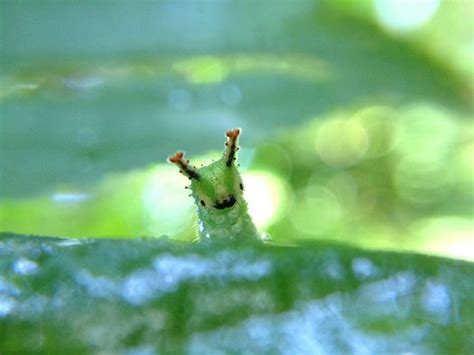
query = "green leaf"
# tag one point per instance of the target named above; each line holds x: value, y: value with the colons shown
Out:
x: 154, y: 295
x: 138, y: 82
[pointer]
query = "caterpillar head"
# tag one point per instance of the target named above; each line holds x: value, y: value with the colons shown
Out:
x: 217, y: 186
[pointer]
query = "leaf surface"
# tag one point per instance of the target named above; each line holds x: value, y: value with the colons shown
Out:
x: 120, y: 296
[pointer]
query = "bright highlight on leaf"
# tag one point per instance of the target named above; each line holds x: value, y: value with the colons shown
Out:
x: 405, y: 15
x: 266, y: 195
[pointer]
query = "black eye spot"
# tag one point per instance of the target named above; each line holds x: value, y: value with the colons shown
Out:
x: 203, y: 203
x: 241, y: 186
x: 228, y: 202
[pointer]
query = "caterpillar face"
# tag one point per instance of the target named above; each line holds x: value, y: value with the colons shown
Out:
x: 218, y: 186
x: 217, y: 191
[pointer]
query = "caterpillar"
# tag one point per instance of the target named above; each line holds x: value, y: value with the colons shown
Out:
x: 217, y: 190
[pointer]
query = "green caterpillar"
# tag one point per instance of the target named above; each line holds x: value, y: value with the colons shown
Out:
x: 217, y: 190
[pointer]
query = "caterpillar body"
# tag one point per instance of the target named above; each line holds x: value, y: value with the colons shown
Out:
x: 217, y: 190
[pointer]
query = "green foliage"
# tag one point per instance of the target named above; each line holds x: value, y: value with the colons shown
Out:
x: 353, y: 132
x: 110, y: 96
x: 121, y: 296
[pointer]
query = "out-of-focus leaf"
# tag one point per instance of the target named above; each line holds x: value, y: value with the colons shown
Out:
x: 89, y: 88
x: 116, y: 296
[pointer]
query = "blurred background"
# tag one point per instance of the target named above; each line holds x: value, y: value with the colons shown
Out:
x: 356, y: 116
